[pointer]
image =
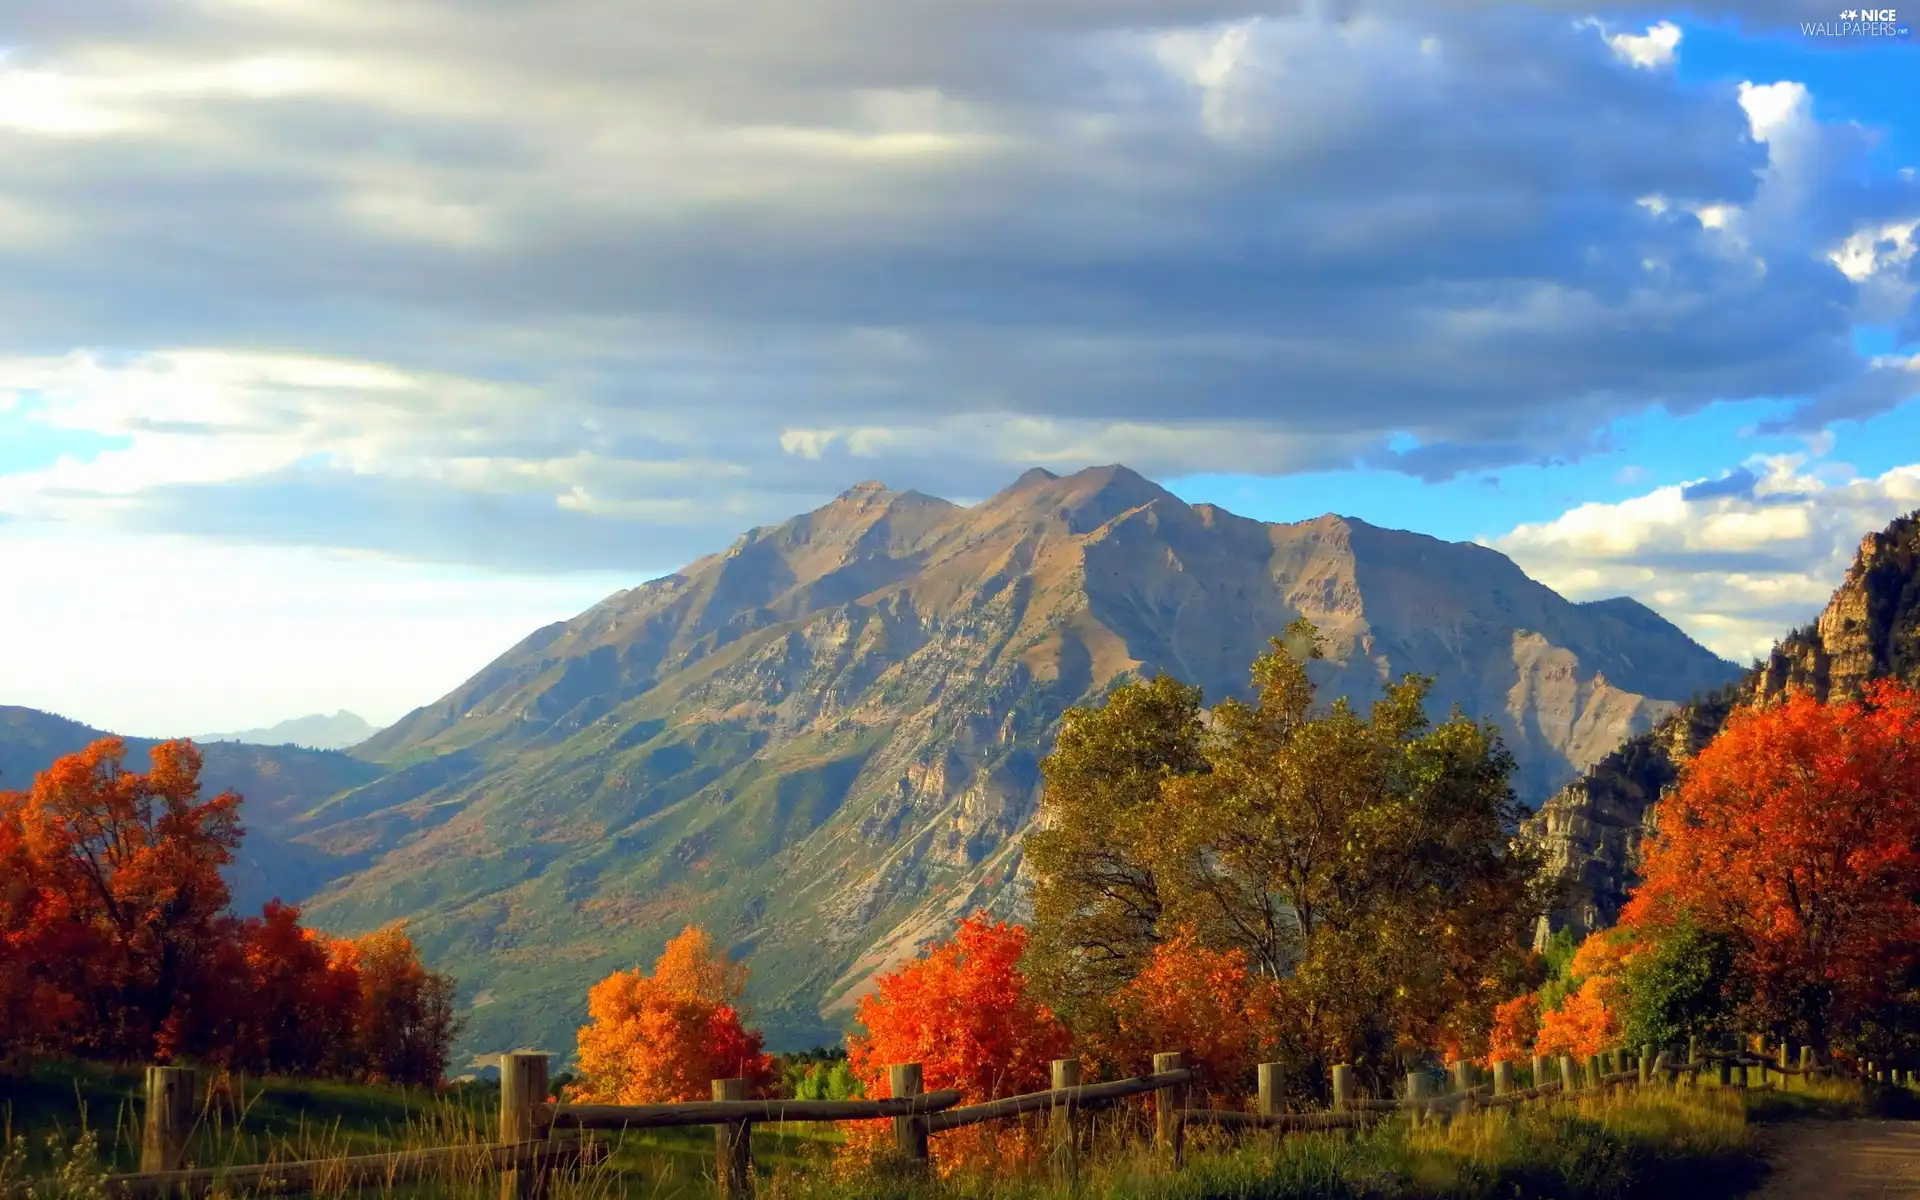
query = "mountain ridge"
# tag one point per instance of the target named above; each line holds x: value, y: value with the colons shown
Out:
x: 823, y: 742
x: 315, y: 731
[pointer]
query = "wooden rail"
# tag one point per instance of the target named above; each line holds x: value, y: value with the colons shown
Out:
x: 719, y: 1112
x: 1085, y: 1096
x: 528, y: 1152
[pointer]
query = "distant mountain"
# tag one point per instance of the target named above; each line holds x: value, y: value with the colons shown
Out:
x: 278, y: 784
x: 823, y: 744
x: 316, y: 732
x: 1869, y: 630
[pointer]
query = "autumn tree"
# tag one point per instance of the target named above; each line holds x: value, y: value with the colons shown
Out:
x: 403, y: 1022
x: 294, y: 1004
x: 116, y: 940
x: 1096, y: 899
x: 1209, y: 1004
x: 1583, y: 1015
x: 663, y: 1038
x: 1370, y: 863
x: 965, y: 1013
x: 1796, y: 833
x: 125, y: 868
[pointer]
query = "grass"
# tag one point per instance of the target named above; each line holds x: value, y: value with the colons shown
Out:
x: 74, y: 1125
x: 1599, y: 1148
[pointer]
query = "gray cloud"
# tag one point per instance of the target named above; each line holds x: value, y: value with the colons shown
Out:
x: 932, y: 243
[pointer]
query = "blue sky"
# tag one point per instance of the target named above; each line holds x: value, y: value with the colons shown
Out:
x: 369, y: 338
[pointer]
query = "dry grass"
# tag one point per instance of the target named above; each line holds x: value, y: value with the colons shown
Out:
x: 1691, y: 1142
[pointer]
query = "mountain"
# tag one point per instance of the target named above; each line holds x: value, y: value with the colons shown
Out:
x: 1870, y: 629
x: 316, y: 732
x: 823, y: 744
x: 278, y: 783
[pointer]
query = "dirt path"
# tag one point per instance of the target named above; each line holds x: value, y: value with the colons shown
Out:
x: 1843, y: 1160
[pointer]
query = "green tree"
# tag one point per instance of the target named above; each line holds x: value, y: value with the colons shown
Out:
x: 1096, y: 898
x: 1679, y: 982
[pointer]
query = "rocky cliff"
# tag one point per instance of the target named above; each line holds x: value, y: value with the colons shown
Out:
x: 1869, y: 630
x: 823, y: 743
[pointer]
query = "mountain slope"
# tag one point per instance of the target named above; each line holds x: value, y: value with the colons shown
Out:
x: 278, y: 784
x: 315, y: 732
x: 1870, y: 629
x: 823, y: 743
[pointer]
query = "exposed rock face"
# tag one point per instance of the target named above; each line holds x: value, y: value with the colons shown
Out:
x: 1869, y: 630
x: 824, y: 743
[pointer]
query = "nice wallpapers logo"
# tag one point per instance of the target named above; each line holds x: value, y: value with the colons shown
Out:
x: 1860, y: 23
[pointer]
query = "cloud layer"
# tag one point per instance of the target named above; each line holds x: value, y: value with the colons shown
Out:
x: 1735, y: 561
x: 552, y: 286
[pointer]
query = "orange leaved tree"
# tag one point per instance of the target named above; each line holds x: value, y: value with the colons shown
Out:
x: 665, y: 1037
x: 1797, y: 830
x: 965, y: 1013
x: 120, y: 871
x: 1516, y: 1029
x: 1588, y: 1019
x: 116, y: 942
x: 1206, y: 1003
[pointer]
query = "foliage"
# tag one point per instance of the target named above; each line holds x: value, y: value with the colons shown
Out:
x: 1205, y: 1003
x: 1369, y: 866
x: 965, y: 1013
x: 1096, y: 901
x: 116, y: 941
x: 1516, y: 1029
x: 663, y: 1038
x: 1680, y: 984
x: 1796, y: 833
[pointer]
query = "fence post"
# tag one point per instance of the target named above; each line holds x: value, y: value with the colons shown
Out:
x: 1569, y: 1075
x: 1417, y: 1082
x: 523, y: 1084
x: 1646, y: 1065
x: 1061, y: 1122
x: 169, y: 1118
x: 1168, y: 1133
x: 1596, y: 1071
x: 1342, y: 1087
x: 1502, y: 1077
x: 1269, y: 1083
x: 909, y: 1133
x: 1462, y: 1075
x: 1693, y: 1049
x: 1542, y: 1067
x: 1806, y: 1058
x: 733, y: 1145
x: 1723, y: 1072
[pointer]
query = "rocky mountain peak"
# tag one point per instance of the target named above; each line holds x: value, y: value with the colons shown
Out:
x: 825, y: 745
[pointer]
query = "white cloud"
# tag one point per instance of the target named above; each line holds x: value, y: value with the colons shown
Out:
x: 1659, y: 46
x: 1736, y: 563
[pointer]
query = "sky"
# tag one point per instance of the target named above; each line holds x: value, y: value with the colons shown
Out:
x: 343, y: 343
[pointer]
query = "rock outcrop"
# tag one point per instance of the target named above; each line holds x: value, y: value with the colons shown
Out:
x: 1870, y: 629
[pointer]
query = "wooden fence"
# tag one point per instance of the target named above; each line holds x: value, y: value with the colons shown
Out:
x: 538, y: 1139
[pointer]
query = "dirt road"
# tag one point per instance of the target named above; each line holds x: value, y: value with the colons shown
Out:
x: 1843, y: 1160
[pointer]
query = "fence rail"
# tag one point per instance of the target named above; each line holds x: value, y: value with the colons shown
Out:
x: 528, y: 1153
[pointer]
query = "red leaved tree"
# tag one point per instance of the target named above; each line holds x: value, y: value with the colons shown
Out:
x: 663, y: 1038
x: 125, y: 871
x: 1798, y: 831
x: 116, y: 942
x: 1516, y: 1029
x: 1208, y: 1004
x: 964, y: 1012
